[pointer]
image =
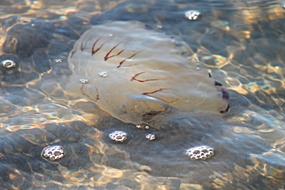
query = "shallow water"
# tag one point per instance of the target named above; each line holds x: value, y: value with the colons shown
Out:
x: 241, y: 42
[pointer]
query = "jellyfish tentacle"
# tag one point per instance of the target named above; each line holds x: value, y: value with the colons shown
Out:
x: 81, y: 46
x: 108, y: 54
x: 93, y: 50
x: 124, y: 60
x: 226, y: 110
x: 85, y: 94
x: 72, y: 53
x: 134, y: 78
x: 115, y: 54
x: 149, y: 115
x: 151, y: 94
x: 218, y: 83
x: 154, y: 91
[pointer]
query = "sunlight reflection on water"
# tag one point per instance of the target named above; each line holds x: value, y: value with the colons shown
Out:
x: 240, y: 42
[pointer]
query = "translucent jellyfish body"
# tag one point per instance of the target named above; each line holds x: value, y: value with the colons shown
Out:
x: 135, y: 74
x: 200, y: 152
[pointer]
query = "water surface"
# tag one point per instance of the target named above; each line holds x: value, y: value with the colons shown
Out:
x: 241, y: 42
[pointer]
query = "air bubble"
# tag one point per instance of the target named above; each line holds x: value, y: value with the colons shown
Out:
x: 53, y: 153
x: 8, y: 64
x: 118, y: 136
x: 142, y: 126
x: 150, y: 137
x: 200, y: 152
x: 192, y: 14
x: 58, y: 60
x: 84, y: 81
x: 103, y: 74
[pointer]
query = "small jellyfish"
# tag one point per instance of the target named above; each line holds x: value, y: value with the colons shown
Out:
x: 8, y: 64
x: 200, y: 152
x: 150, y: 136
x: 53, y: 153
x: 118, y: 136
x: 192, y: 14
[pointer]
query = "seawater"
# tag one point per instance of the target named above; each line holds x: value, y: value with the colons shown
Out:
x: 241, y: 43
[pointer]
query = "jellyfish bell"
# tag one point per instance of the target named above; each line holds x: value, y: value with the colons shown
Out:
x: 135, y: 74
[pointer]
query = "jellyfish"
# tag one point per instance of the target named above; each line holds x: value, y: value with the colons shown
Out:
x: 136, y: 74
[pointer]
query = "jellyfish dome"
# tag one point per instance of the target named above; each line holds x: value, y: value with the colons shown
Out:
x: 135, y: 74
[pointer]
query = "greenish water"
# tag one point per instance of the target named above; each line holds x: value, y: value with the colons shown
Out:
x: 241, y: 42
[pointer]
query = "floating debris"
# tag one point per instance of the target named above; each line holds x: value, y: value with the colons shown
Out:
x: 150, y: 136
x: 200, y: 152
x: 118, y: 136
x: 103, y: 74
x: 8, y: 64
x: 83, y: 81
x: 53, y: 153
x: 192, y: 14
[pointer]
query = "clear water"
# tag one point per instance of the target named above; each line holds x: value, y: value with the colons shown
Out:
x: 241, y: 42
